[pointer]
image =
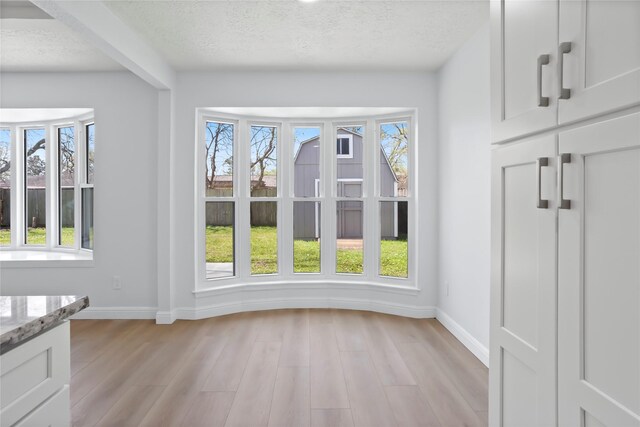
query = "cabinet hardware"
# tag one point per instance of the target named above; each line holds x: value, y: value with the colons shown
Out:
x: 564, y: 158
x: 543, y: 101
x: 564, y: 48
x: 540, y: 163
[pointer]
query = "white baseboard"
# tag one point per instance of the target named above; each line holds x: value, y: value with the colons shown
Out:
x: 280, y: 303
x: 468, y: 340
x: 116, y: 313
x: 165, y: 317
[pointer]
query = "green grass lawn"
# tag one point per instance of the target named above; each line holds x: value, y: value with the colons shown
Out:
x: 306, y: 255
x: 37, y: 236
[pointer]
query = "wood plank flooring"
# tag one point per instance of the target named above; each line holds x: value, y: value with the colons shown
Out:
x: 320, y: 368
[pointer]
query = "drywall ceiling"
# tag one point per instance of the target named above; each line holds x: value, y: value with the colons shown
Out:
x: 291, y: 35
x: 47, y: 45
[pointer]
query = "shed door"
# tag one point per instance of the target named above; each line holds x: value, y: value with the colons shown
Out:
x: 349, y: 214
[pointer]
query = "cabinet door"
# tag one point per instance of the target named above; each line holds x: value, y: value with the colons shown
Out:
x: 52, y: 413
x: 522, y: 31
x: 602, y: 71
x: 599, y: 276
x: 523, y: 286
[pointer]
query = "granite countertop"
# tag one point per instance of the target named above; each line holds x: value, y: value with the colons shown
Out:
x: 23, y: 317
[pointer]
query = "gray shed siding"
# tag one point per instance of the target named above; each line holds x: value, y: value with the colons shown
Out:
x: 306, y: 171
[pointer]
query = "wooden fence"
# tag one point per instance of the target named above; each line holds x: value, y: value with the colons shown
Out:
x: 36, y: 205
x: 262, y: 213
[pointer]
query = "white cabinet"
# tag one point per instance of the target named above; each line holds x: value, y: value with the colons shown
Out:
x: 34, y: 381
x: 557, y: 62
x: 523, y: 288
x: 602, y: 71
x: 599, y: 276
x: 52, y: 413
x: 566, y: 223
x: 524, y: 39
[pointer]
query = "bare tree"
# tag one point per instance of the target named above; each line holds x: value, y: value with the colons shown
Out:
x: 263, y: 149
x: 6, y: 164
x: 396, y: 145
x: 220, y: 142
x: 67, y: 158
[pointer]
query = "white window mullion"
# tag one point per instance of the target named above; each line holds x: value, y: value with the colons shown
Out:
x: 15, y: 207
x: 78, y: 138
x: 328, y: 234
x: 371, y: 215
x: 285, y: 218
x: 49, y: 182
x: 243, y: 228
x: 52, y: 186
x: 201, y: 253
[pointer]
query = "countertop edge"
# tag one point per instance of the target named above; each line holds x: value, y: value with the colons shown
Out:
x: 14, y: 337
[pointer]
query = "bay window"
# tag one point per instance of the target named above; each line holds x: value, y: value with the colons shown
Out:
x: 46, y: 184
x: 270, y: 189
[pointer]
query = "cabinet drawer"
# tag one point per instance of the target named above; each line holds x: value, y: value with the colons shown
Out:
x: 32, y: 372
x: 52, y: 413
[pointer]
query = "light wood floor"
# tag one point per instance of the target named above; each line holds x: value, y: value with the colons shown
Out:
x: 275, y: 368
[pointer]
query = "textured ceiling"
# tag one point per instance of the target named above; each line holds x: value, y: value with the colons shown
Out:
x: 47, y: 45
x: 291, y: 35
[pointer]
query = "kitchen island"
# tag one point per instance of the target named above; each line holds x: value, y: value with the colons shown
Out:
x: 34, y: 359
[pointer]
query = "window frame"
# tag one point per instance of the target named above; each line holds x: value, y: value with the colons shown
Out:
x: 350, y: 138
x: 329, y: 130
x: 19, y: 223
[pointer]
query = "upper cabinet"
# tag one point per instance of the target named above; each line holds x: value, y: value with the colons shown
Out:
x: 524, y: 39
x: 602, y: 70
x: 556, y: 62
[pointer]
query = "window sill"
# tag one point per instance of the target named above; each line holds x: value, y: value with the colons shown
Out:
x: 44, y: 259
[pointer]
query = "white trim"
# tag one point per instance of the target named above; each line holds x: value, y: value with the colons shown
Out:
x: 345, y: 156
x: 413, y: 311
x: 19, y: 208
x: 327, y: 196
x: 116, y: 313
x: 308, y: 285
x: 317, y: 209
x: 462, y: 335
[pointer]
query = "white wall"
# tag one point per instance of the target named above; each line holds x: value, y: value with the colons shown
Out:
x: 126, y: 111
x: 301, y: 90
x: 464, y: 192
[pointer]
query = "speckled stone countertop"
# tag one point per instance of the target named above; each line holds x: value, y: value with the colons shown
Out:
x: 23, y: 317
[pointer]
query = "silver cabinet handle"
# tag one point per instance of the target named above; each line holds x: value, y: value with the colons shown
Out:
x: 540, y: 163
x: 564, y: 48
x: 543, y: 101
x: 564, y: 204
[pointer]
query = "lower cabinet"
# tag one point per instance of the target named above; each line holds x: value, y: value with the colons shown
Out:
x: 52, y: 413
x: 34, y: 381
x: 599, y: 276
x: 565, y: 316
x: 523, y: 288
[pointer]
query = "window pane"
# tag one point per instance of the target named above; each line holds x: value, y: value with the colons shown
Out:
x: 91, y: 140
x: 394, y: 159
x: 219, y: 159
x: 306, y: 159
x: 349, y: 251
x: 66, y: 179
x: 87, y: 218
x: 264, y: 237
x: 349, y: 168
x: 264, y: 161
x: 394, y: 251
x: 219, y: 239
x: 35, y: 200
x: 306, y: 237
x: 5, y: 187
